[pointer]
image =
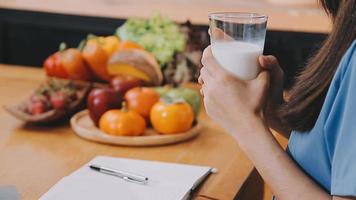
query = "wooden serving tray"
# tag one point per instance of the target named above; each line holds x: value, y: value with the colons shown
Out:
x: 85, y: 128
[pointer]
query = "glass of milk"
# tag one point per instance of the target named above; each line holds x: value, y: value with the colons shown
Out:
x: 237, y: 39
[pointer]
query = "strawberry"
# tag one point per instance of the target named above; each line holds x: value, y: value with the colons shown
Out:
x: 59, y: 100
x: 37, y: 107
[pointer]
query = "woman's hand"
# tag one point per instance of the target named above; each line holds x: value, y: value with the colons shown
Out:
x: 265, y: 93
x: 275, y: 94
x: 229, y: 101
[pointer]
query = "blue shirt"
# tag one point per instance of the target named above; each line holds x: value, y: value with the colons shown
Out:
x: 327, y: 153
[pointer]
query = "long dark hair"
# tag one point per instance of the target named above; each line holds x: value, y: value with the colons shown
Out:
x: 306, y: 97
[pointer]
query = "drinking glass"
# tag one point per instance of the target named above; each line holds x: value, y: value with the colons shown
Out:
x: 237, y: 39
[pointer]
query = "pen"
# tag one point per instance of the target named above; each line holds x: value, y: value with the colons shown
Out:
x: 127, y: 176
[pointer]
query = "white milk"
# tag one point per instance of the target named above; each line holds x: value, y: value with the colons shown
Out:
x: 239, y: 58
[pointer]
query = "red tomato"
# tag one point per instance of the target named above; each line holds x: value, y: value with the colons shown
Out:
x: 53, y: 66
x: 74, y: 64
x: 141, y: 100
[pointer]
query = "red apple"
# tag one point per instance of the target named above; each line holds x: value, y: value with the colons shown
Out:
x: 102, y: 100
x: 123, y: 83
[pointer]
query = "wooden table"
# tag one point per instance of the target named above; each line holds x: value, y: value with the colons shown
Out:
x: 35, y: 158
x: 308, y: 18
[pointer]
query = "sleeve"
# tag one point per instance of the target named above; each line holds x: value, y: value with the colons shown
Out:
x: 340, y: 130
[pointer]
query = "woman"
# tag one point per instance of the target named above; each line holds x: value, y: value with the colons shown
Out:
x: 319, y: 115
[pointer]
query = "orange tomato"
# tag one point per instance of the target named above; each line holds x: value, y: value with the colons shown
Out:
x: 97, y: 58
x: 122, y: 123
x: 74, y: 65
x: 127, y: 44
x: 172, y: 118
x: 141, y: 100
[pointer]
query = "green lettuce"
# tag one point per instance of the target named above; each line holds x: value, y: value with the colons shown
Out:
x: 158, y: 35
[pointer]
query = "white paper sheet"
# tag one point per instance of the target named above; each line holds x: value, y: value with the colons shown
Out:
x: 167, y: 181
